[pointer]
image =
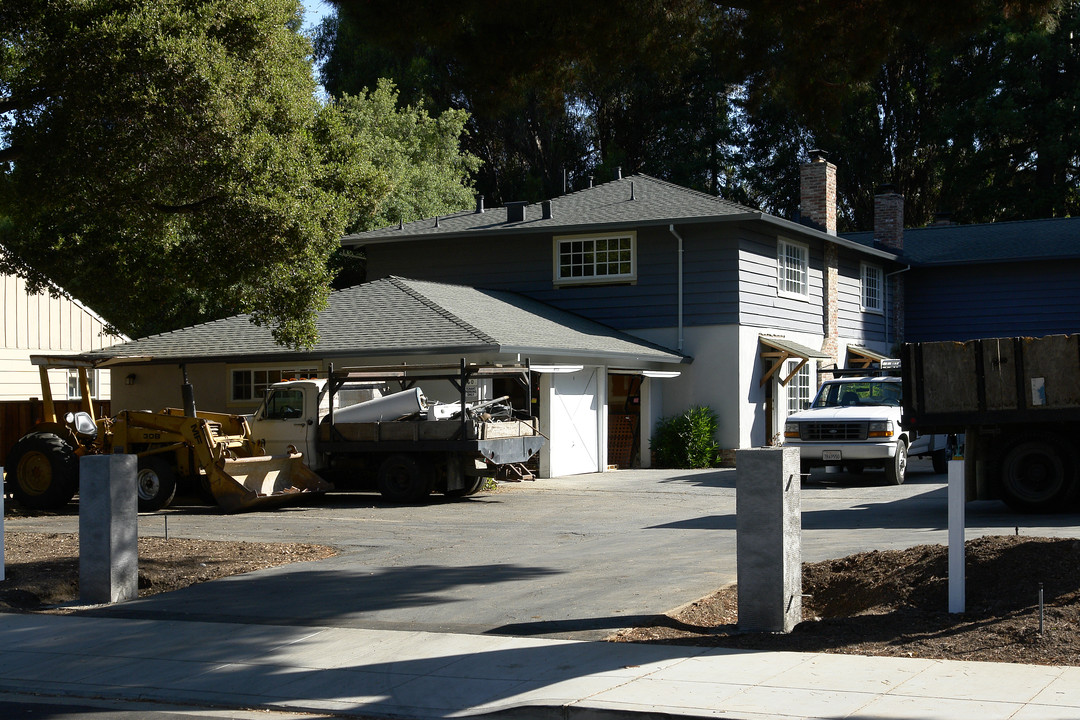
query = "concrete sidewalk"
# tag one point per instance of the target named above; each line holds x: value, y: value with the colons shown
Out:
x: 357, y: 672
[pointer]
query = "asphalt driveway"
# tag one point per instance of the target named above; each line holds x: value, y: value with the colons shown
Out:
x: 575, y: 557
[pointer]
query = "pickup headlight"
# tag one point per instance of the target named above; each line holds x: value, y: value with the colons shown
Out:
x: 880, y: 429
x: 791, y: 430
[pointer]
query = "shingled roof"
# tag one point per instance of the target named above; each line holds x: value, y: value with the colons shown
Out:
x: 1057, y: 238
x: 631, y: 202
x: 397, y: 316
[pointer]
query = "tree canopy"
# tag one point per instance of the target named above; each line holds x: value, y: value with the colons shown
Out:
x: 939, y: 99
x: 167, y: 161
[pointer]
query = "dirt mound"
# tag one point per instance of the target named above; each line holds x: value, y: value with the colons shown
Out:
x: 42, y: 569
x: 896, y: 603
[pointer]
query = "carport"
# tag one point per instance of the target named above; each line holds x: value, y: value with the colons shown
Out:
x: 396, y: 320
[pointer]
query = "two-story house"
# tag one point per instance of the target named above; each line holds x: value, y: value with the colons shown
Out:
x: 759, y: 302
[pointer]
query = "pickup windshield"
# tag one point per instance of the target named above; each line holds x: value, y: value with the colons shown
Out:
x: 840, y: 394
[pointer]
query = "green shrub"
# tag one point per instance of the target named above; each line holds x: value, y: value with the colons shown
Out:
x: 687, y: 440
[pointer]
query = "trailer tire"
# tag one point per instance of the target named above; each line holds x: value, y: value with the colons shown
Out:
x: 1037, y: 475
x: 42, y: 471
x: 940, y: 460
x: 403, y: 478
x: 896, y: 468
x: 155, y: 483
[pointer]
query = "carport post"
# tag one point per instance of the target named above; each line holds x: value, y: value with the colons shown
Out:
x: 768, y: 541
x: 108, y: 529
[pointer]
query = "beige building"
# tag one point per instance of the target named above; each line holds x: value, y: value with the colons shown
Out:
x: 41, y: 324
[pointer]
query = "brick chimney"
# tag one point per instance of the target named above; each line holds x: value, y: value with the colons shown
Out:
x: 889, y: 218
x: 889, y: 234
x: 817, y: 192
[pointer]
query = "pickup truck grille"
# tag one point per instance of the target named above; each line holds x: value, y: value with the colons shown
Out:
x: 832, y: 431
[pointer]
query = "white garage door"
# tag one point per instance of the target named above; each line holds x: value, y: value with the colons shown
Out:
x: 574, y: 418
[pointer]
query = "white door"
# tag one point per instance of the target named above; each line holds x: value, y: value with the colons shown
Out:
x: 289, y: 417
x: 574, y: 429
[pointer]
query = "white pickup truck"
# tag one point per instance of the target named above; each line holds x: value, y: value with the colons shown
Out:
x: 854, y: 422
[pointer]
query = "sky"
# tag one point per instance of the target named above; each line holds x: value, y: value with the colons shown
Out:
x: 314, y: 11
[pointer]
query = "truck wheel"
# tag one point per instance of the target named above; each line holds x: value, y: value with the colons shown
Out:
x: 156, y: 483
x: 402, y: 478
x: 940, y: 461
x: 42, y: 472
x: 1036, y: 475
x: 472, y: 486
x: 897, y: 468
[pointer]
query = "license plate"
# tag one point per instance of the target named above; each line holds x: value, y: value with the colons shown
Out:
x: 831, y: 455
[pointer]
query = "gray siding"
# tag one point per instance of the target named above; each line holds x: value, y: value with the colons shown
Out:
x: 854, y: 323
x: 761, y: 305
x: 965, y: 302
x: 524, y: 264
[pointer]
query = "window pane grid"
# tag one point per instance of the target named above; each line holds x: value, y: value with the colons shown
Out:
x: 798, y: 391
x: 252, y: 384
x: 872, y: 287
x: 596, y: 257
x: 794, y: 271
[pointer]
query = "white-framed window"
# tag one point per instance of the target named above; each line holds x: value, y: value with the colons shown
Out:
x: 873, y: 288
x: 798, y: 389
x: 250, y: 384
x: 592, y: 259
x: 74, y: 392
x: 793, y: 268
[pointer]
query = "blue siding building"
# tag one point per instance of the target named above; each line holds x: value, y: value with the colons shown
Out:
x: 760, y: 303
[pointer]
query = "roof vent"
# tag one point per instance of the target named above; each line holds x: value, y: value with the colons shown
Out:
x: 590, y: 180
x: 436, y: 221
x: 479, y: 204
x: 632, y: 196
x: 401, y: 224
x: 618, y: 173
x: 515, y: 211
x: 545, y: 210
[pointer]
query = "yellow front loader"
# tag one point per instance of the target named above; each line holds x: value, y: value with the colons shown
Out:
x: 212, y: 452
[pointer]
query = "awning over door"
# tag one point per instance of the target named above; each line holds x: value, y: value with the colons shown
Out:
x: 863, y: 357
x: 777, y: 351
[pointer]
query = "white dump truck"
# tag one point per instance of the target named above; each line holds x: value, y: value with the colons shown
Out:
x: 375, y: 428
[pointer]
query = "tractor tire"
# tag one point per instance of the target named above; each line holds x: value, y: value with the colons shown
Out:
x: 156, y: 483
x: 404, y: 479
x: 42, y: 472
x: 1037, y: 475
x: 896, y: 468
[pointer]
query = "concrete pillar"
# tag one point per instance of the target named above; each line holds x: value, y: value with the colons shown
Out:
x: 768, y: 538
x: 108, y: 529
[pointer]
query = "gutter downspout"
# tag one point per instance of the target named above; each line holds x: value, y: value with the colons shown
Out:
x: 675, y: 233
x: 887, y: 313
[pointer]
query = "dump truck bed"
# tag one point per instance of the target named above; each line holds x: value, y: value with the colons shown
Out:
x: 950, y: 385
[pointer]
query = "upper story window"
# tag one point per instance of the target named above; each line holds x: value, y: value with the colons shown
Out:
x: 793, y: 268
x: 74, y: 392
x: 251, y: 384
x: 873, y: 288
x: 589, y: 259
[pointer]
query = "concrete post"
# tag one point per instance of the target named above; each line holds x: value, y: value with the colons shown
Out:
x: 108, y: 529
x: 768, y: 538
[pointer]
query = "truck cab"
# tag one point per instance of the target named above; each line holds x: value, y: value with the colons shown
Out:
x: 290, y: 416
x: 853, y: 422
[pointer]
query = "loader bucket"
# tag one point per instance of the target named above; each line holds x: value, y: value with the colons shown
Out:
x: 263, y: 481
